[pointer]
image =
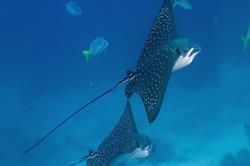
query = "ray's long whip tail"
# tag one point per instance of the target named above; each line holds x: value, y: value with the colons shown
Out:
x: 130, y: 76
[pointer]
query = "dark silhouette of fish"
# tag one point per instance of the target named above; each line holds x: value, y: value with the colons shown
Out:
x: 159, y: 57
x: 122, y: 144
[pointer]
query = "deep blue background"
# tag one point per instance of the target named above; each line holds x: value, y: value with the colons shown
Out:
x: 43, y: 75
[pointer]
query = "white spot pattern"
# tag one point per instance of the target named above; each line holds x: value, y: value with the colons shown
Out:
x: 155, y: 63
x: 123, y: 139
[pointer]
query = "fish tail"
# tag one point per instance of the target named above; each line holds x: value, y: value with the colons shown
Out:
x: 245, y: 42
x: 87, y: 54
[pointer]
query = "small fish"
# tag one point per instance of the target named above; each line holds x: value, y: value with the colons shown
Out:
x: 185, y: 4
x: 246, y: 38
x: 96, y: 47
x: 73, y: 8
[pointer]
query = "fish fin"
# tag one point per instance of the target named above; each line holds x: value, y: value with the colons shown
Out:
x: 87, y: 55
x: 245, y: 42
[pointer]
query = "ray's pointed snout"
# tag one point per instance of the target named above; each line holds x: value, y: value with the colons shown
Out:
x: 197, y: 49
x: 192, y: 53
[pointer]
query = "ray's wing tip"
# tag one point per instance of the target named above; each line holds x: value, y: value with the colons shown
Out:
x: 151, y: 118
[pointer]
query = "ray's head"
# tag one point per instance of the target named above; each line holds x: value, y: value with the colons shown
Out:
x: 186, y: 51
x: 143, y: 147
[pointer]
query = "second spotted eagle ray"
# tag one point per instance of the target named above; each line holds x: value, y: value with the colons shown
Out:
x: 124, y: 143
x: 163, y: 52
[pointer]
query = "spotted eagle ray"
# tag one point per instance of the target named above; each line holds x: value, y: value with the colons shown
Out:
x: 122, y: 144
x: 163, y: 53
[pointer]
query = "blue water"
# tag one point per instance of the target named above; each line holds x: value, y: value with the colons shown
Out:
x: 44, y: 77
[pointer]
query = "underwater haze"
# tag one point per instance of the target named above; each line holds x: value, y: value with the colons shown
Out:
x: 44, y: 77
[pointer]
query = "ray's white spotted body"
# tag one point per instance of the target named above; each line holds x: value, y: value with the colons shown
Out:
x: 163, y: 53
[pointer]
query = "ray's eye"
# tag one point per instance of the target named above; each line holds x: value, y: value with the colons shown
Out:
x: 178, y: 51
x: 137, y: 144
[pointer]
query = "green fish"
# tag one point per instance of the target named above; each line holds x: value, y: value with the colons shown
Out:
x: 96, y: 47
x: 246, y: 38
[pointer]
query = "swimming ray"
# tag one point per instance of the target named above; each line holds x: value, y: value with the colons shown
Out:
x: 155, y: 63
x: 123, y: 140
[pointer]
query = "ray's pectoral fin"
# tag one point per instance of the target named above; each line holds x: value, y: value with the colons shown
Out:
x: 155, y: 62
x: 162, y: 32
x: 151, y: 81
